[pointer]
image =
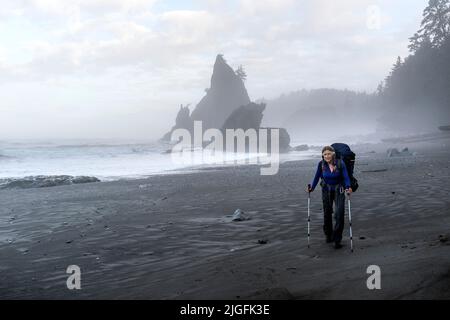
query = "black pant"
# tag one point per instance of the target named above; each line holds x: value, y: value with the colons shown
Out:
x: 332, y: 194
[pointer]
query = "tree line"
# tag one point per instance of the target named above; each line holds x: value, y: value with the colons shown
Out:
x: 417, y: 90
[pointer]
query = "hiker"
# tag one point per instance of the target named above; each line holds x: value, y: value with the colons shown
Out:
x: 335, y: 181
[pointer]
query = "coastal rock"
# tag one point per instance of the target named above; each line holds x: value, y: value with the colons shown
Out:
x: 284, y: 140
x: 182, y: 121
x: 82, y: 179
x: 44, y: 181
x: 302, y: 147
x: 250, y: 117
x: 393, y: 152
x: 245, y: 117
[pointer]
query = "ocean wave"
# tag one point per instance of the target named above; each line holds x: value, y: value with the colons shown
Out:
x: 44, y: 181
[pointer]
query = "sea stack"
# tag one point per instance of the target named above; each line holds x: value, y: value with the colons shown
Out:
x: 226, y: 105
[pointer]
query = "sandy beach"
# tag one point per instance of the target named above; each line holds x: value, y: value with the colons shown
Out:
x: 171, y: 236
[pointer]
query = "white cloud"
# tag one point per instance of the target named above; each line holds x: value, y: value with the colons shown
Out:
x: 57, y: 7
x: 255, y: 7
x: 99, y: 44
x: 3, y: 54
x: 190, y: 27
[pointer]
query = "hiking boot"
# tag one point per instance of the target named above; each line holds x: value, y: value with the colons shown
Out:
x: 329, y: 239
x: 337, y: 245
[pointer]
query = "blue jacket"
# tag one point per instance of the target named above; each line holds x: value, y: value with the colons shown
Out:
x: 332, y: 178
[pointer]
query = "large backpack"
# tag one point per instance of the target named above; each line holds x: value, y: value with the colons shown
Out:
x: 344, y: 153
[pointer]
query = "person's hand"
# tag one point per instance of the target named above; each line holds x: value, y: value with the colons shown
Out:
x: 309, y: 189
x: 348, y: 191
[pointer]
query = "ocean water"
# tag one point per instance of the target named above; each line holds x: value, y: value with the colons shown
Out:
x: 112, y: 161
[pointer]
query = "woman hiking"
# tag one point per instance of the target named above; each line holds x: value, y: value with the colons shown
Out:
x: 335, y: 180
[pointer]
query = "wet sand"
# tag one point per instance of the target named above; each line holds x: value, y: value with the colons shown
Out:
x: 171, y: 236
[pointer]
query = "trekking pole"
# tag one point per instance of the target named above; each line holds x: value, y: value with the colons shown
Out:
x: 350, y: 222
x: 309, y: 215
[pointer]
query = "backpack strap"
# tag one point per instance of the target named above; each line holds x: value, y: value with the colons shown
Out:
x: 339, y: 165
x: 322, y: 182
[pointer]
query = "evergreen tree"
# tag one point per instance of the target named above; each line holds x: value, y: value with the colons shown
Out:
x: 435, y: 26
x: 390, y: 79
x: 240, y: 72
x: 380, y: 89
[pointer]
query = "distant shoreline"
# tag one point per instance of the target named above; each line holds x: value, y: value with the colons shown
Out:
x: 312, y: 152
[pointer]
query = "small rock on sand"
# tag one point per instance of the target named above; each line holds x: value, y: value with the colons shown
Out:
x: 239, y: 215
x: 393, y: 152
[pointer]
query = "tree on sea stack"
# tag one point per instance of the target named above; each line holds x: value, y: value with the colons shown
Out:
x: 240, y: 72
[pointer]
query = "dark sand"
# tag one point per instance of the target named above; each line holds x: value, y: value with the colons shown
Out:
x: 170, y: 237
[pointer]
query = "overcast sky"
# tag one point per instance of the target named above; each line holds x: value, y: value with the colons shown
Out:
x: 120, y: 69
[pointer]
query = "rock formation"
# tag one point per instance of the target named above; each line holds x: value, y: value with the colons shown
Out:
x: 44, y: 181
x: 227, y: 93
x: 182, y: 121
x: 284, y: 140
x: 226, y: 105
x: 245, y: 117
